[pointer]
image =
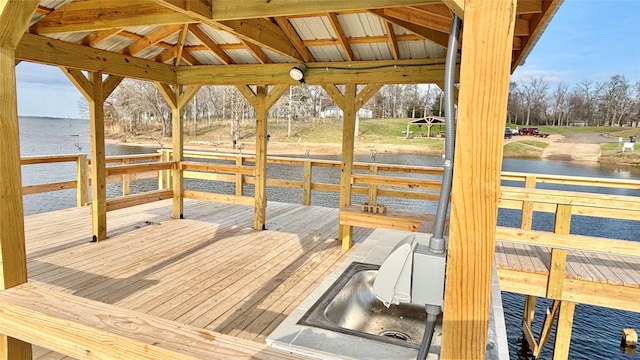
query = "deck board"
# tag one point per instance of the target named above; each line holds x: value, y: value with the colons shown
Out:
x: 210, y: 270
x: 213, y: 270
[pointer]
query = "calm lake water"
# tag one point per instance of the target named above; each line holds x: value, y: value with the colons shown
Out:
x: 596, y: 331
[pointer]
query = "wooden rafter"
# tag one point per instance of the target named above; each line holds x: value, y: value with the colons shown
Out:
x: 420, y: 17
x: 257, y: 52
x: 210, y: 44
x: 102, y: 15
x: 361, y: 40
x: 259, y: 31
x: 393, y: 41
x: 263, y: 33
x: 438, y: 37
x: 293, y: 36
x: 99, y: 36
x: 340, y: 35
x: 200, y: 7
x: 180, y: 45
x: 151, y: 39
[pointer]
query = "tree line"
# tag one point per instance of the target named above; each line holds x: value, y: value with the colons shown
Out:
x: 138, y: 106
x: 615, y: 102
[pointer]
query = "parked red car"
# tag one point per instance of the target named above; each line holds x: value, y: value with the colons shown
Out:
x: 528, y: 131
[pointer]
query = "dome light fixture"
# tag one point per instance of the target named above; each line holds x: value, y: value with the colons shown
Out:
x: 297, y: 72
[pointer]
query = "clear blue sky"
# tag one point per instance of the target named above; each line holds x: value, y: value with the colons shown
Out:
x: 586, y: 40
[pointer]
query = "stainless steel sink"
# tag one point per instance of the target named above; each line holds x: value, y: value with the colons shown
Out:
x: 351, y: 307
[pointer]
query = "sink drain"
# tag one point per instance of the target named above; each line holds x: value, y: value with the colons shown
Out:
x: 395, y: 335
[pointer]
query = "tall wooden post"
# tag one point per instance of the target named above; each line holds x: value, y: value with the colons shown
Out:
x: 261, y: 100
x: 350, y: 102
x: 98, y: 159
x: 260, y: 209
x: 14, y: 18
x: 345, y: 233
x: 177, y: 97
x: 96, y: 91
x: 484, y: 85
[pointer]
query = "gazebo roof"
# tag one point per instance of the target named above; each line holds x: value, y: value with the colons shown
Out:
x: 428, y: 120
x: 152, y: 36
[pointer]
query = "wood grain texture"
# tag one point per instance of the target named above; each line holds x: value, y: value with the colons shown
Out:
x: 484, y: 83
x: 82, y: 328
x: 262, y: 110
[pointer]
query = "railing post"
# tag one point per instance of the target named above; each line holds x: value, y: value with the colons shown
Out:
x: 126, y: 180
x: 306, y: 183
x: 82, y: 179
x: 373, y: 188
x: 527, y: 206
x: 164, y: 181
x: 239, y: 177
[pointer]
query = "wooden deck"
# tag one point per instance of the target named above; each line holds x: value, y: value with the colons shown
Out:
x: 210, y: 270
x: 592, y: 278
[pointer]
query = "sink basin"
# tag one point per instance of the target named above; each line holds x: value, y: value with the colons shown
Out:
x: 351, y: 307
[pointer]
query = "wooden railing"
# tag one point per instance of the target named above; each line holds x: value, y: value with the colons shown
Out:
x: 127, y: 168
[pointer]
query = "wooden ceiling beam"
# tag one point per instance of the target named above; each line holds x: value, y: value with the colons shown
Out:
x: 393, y: 40
x: 229, y: 9
x: 438, y: 37
x: 99, y: 36
x: 151, y: 39
x: 263, y: 33
x: 549, y: 9
x: 199, y: 7
x: 180, y: 45
x: 357, y: 72
x: 210, y: 44
x: 43, y: 50
x: 259, y: 31
x: 523, y: 7
x: 293, y: 36
x: 257, y: 52
x: 340, y: 35
x: 360, y: 40
x: 529, y: 7
x: 421, y: 17
x: 102, y: 15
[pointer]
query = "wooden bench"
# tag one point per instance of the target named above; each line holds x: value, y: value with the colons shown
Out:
x: 391, y: 219
x: 83, y: 328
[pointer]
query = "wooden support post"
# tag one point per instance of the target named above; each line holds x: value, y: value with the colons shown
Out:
x: 98, y: 158
x: 239, y: 177
x: 306, y: 182
x: 177, y: 140
x: 484, y: 86
x: 529, y: 309
x: 563, y: 331
x: 350, y: 102
x: 345, y: 232
x: 82, y: 178
x: 96, y: 91
x: 261, y: 102
x: 14, y: 18
x: 259, y: 218
x: 177, y: 98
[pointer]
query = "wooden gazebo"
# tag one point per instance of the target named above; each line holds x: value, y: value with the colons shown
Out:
x: 351, y: 48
